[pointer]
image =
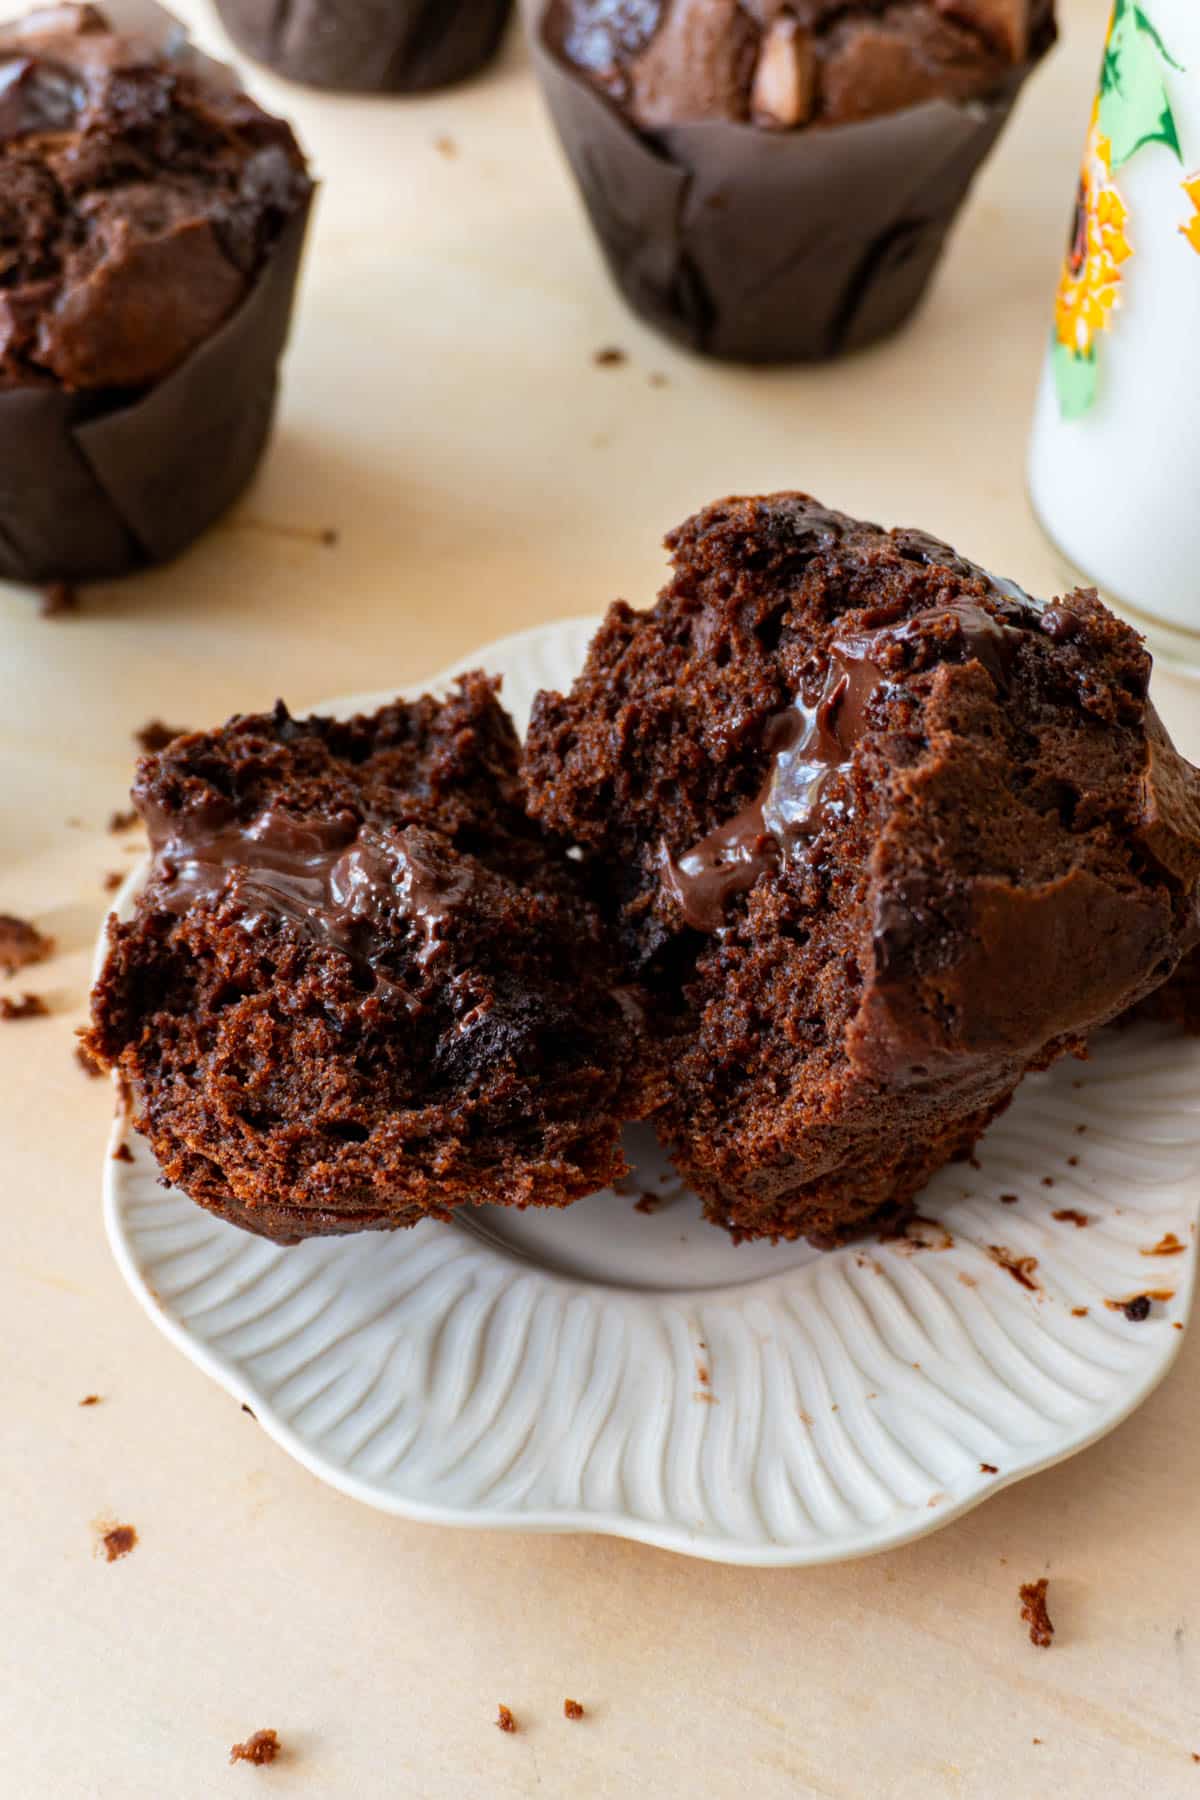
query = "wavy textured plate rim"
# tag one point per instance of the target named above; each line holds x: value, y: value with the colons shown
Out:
x: 869, y: 1539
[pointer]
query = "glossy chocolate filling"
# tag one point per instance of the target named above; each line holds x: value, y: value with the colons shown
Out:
x: 810, y: 743
x: 338, y: 881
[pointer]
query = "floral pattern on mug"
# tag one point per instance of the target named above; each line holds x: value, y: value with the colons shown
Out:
x: 1089, y: 286
x: 1191, y: 230
x: 1132, y: 111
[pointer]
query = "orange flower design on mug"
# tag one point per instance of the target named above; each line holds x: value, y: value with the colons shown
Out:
x: 1191, y: 230
x: 1090, y: 283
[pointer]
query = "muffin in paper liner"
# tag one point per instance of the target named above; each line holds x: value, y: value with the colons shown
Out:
x: 94, y: 485
x: 774, y: 246
x: 369, y: 46
x: 99, y: 482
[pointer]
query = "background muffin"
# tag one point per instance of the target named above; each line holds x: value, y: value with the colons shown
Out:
x: 369, y: 46
x: 775, y: 183
x: 151, y: 222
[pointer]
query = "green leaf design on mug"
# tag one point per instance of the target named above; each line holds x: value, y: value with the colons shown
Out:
x: 1134, y: 106
x: 1074, y: 380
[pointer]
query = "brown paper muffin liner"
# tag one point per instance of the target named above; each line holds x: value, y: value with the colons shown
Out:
x: 95, y: 484
x: 764, y: 246
x: 368, y: 46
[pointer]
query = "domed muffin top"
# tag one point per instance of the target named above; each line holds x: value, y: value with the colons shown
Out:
x: 673, y: 62
x: 140, y: 193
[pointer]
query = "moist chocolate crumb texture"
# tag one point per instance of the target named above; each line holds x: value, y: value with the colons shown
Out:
x: 360, y: 988
x: 151, y: 221
x: 774, y: 182
x: 882, y: 831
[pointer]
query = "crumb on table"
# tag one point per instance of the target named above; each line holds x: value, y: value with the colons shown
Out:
x: 504, y: 1719
x: 122, y: 1153
x: 261, y: 1747
x: 572, y: 1709
x: 123, y: 821
x: 610, y: 357
x: 155, y: 735
x: 90, y: 1400
x: 21, y: 944
x: 58, y: 599
x: 29, y: 1006
x: 1034, y: 1614
x: 118, y: 1541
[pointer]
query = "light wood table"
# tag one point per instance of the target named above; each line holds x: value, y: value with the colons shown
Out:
x: 444, y: 414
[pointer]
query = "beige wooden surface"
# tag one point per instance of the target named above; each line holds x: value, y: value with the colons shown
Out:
x: 444, y: 415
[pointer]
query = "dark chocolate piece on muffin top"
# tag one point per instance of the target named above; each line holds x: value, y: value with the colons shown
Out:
x: 360, y: 988
x: 675, y: 62
x: 884, y: 831
x: 140, y: 193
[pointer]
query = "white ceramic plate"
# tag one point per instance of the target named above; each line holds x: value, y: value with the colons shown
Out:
x: 609, y: 1369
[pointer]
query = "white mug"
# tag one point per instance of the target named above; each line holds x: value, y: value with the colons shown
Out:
x: 1114, y: 465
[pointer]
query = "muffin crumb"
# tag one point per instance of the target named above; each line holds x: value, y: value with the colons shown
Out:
x: 118, y: 1541
x: 123, y: 821
x: 58, y: 600
x: 21, y: 944
x: 610, y: 357
x: 1034, y: 1614
x: 29, y: 1006
x: 91, y: 1400
x: 1019, y: 1267
x: 504, y: 1719
x: 572, y: 1709
x: 154, y: 735
x: 261, y: 1747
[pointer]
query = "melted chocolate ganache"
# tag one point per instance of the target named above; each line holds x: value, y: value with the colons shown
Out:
x: 337, y: 880
x: 811, y: 742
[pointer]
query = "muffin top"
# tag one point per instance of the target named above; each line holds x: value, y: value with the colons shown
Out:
x: 675, y: 62
x: 140, y: 193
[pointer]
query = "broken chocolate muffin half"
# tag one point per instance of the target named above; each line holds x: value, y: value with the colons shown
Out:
x: 359, y: 988
x: 883, y: 831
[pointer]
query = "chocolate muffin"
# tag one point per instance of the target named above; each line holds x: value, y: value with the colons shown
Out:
x: 818, y: 62
x: 775, y: 183
x: 369, y: 46
x: 151, y: 220
x: 882, y: 831
x: 359, y: 988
